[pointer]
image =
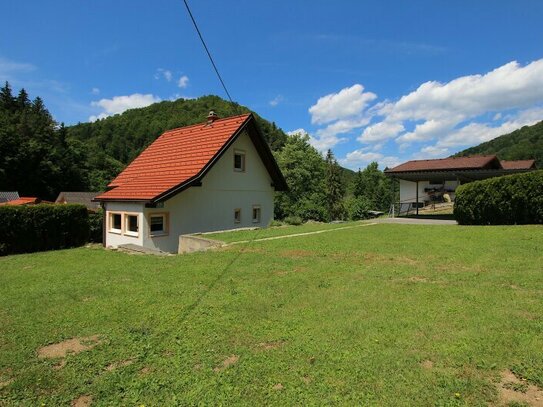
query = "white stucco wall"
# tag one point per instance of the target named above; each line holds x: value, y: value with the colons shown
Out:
x: 115, y: 239
x: 408, y: 190
x: 211, y: 206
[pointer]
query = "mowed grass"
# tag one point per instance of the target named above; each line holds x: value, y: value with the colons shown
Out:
x: 377, y: 315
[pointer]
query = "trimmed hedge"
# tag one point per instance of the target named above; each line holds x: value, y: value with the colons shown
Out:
x: 25, y: 229
x: 508, y: 200
x: 96, y: 222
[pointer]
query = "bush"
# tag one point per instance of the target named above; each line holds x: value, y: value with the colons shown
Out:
x: 96, y: 223
x: 293, y: 220
x: 25, y: 229
x: 275, y: 223
x: 358, y: 208
x: 509, y: 200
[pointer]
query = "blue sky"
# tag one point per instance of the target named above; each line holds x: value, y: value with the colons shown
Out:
x: 372, y: 80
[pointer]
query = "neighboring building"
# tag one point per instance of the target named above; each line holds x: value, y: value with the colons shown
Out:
x: 6, y: 196
x: 24, y: 200
x: 425, y: 181
x: 212, y: 176
x: 82, y: 198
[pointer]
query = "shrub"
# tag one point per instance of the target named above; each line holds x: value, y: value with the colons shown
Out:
x: 508, y: 200
x: 96, y: 223
x: 358, y: 208
x: 293, y: 220
x: 275, y: 223
x: 25, y: 229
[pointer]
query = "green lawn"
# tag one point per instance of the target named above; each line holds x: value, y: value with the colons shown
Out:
x: 392, y: 315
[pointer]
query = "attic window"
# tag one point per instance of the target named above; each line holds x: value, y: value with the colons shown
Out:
x: 239, y: 161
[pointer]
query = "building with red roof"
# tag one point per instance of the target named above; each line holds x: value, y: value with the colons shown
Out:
x: 216, y: 175
x: 426, y: 181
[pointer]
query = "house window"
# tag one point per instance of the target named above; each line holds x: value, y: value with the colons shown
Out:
x: 239, y: 161
x: 237, y: 215
x: 158, y: 224
x: 132, y: 227
x: 115, y: 222
x: 256, y: 214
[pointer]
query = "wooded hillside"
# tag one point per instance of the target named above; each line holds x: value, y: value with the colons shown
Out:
x: 522, y: 144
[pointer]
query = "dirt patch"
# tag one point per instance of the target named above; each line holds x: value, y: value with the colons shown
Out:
x: 306, y: 379
x: 5, y: 383
x: 418, y: 279
x: 278, y: 387
x: 60, y: 364
x: 427, y: 364
x: 69, y: 346
x: 297, y: 253
x: 117, y: 365
x: 271, y: 345
x: 83, y: 401
x: 226, y: 363
x: 145, y: 370
x: 511, y: 389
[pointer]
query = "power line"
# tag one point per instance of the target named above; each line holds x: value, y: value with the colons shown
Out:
x: 207, y: 50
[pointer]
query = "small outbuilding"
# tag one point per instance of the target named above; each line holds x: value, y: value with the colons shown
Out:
x: 217, y: 175
x: 82, y: 198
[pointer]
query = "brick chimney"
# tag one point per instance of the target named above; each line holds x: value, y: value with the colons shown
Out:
x: 211, y: 117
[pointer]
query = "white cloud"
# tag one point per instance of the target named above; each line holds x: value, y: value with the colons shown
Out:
x: 183, y: 81
x: 327, y: 137
x: 300, y: 131
x: 276, y: 100
x: 95, y: 91
x: 380, y: 131
x: 9, y: 67
x: 348, y: 102
x: 361, y: 158
x: 164, y: 73
x: 119, y: 104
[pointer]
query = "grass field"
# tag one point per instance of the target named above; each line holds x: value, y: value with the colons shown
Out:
x: 394, y: 315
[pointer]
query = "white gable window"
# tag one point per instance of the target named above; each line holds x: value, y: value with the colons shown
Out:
x: 256, y: 213
x: 115, y: 222
x: 239, y: 161
x: 158, y: 224
x: 131, y: 225
x: 237, y: 215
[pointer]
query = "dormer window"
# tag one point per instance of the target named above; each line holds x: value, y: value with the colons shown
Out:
x: 239, y: 161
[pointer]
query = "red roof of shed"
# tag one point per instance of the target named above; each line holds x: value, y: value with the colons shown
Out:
x: 518, y: 164
x: 448, y: 164
x: 177, y: 157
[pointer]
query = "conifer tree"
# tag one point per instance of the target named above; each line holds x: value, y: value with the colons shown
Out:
x: 334, y: 188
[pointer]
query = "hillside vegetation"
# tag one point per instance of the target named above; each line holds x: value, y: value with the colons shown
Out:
x: 522, y: 144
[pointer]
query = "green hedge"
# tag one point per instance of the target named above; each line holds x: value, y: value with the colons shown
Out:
x: 96, y: 222
x: 509, y: 200
x: 25, y: 229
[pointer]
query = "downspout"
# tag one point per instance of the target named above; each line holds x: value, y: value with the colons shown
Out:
x: 417, y: 198
x: 103, y: 224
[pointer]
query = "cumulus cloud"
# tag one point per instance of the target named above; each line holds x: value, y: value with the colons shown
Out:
x: 164, y: 73
x: 276, y: 100
x: 348, y: 102
x: 300, y: 131
x: 380, y: 131
x: 119, y: 104
x: 361, y: 158
x: 183, y: 81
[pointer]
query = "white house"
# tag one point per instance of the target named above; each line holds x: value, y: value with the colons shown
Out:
x: 425, y: 181
x: 217, y: 175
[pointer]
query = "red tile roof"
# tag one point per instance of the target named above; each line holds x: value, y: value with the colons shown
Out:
x: 24, y: 200
x: 518, y: 164
x: 448, y: 164
x: 176, y: 157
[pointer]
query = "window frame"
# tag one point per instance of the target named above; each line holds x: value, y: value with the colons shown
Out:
x: 110, y: 227
x: 127, y: 232
x: 165, y: 224
x: 243, y: 156
x: 258, y: 219
x: 237, y: 219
